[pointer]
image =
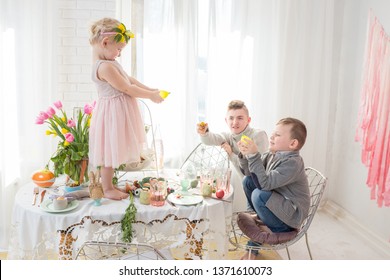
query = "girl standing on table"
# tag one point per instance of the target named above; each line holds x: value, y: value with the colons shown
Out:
x: 117, y: 131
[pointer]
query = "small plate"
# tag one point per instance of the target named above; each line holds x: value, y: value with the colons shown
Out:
x: 185, y: 199
x: 47, y: 206
x: 72, y: 189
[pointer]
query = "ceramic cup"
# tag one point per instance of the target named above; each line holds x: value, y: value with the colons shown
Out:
x: 144, y: 197
x: 60, y: 203
x: 185, y: 184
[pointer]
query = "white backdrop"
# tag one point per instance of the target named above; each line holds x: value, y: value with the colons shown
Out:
x: 283, y: 58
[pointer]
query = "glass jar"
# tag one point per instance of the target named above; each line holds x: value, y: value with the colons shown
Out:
x: 158, y: 192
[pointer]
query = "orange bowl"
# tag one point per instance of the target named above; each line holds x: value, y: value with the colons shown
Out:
x: 43, y: 178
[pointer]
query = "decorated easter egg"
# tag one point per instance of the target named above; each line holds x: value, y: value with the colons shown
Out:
x: 43, y: 178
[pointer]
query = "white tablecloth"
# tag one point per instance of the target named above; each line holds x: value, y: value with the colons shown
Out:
x: 186, y: 232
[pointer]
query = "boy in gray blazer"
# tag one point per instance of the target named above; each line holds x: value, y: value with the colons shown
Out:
x: 276, y: 185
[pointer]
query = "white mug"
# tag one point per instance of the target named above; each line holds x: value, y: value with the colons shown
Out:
x: 60, y: 204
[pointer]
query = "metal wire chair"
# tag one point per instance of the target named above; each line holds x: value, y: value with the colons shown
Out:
x: 204, y: 157
x: 317, y: 183
x: 150, y: 156
x: 95, y: 250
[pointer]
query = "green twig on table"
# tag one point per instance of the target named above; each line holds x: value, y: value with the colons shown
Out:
x: 128, y: 220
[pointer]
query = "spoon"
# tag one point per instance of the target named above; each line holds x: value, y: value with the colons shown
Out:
x: 36, y: 192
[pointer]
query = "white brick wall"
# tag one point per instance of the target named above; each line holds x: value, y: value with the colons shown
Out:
x: 75, y: 87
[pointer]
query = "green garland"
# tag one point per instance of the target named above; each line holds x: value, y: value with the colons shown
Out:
x: 128, y: 220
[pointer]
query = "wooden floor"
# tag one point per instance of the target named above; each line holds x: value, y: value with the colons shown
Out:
x: 330, y: 238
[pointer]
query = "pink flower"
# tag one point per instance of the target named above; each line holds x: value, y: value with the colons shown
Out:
x: 71, y: 123
x: 58, y: 104
x: 51, y: 112
x: 69, y: 137
x: 88, y: 109
x: 39, y: 120
x: 43, y: 115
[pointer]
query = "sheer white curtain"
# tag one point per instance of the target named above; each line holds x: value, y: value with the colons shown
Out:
x: 189, y: 48
x: 307, y: 72
x: 277, y: 56
x: 167, y: 59
x: 26, y: 82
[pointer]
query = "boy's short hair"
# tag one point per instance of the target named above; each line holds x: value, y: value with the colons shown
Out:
x: 237, y: 104
x: 298, y: 130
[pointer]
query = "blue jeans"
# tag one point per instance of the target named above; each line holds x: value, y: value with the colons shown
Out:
x: 257, y: 200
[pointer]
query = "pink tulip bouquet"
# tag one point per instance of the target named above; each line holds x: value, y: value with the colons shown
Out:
x: 73, y: 135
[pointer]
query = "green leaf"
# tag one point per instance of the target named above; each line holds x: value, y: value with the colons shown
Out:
x: 118, y: 37
x: 128, y: 220
x: 75, y: 156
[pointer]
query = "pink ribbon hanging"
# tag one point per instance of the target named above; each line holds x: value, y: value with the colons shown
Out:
x: 373, y: 129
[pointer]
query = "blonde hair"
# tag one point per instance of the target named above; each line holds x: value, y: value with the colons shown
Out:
x: 237, y: 104
x: 298, y: 130
x: 101, y: 26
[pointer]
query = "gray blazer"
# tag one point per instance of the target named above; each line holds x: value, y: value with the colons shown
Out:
x: 286, y: 178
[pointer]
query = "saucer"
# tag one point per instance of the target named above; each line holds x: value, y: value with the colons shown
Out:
x: 186, y: 199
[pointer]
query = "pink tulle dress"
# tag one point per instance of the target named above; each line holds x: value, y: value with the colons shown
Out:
x: 117, y: 131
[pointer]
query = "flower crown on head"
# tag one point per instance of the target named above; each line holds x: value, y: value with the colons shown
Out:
x: 121, y: 34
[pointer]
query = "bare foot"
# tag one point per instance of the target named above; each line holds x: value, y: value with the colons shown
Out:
x: 115, y: 194
x: 121, y: 190
x: 248, y: 256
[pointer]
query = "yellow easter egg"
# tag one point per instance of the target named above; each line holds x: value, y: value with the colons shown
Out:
x: 245, y: 139
x: 164, y: 94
